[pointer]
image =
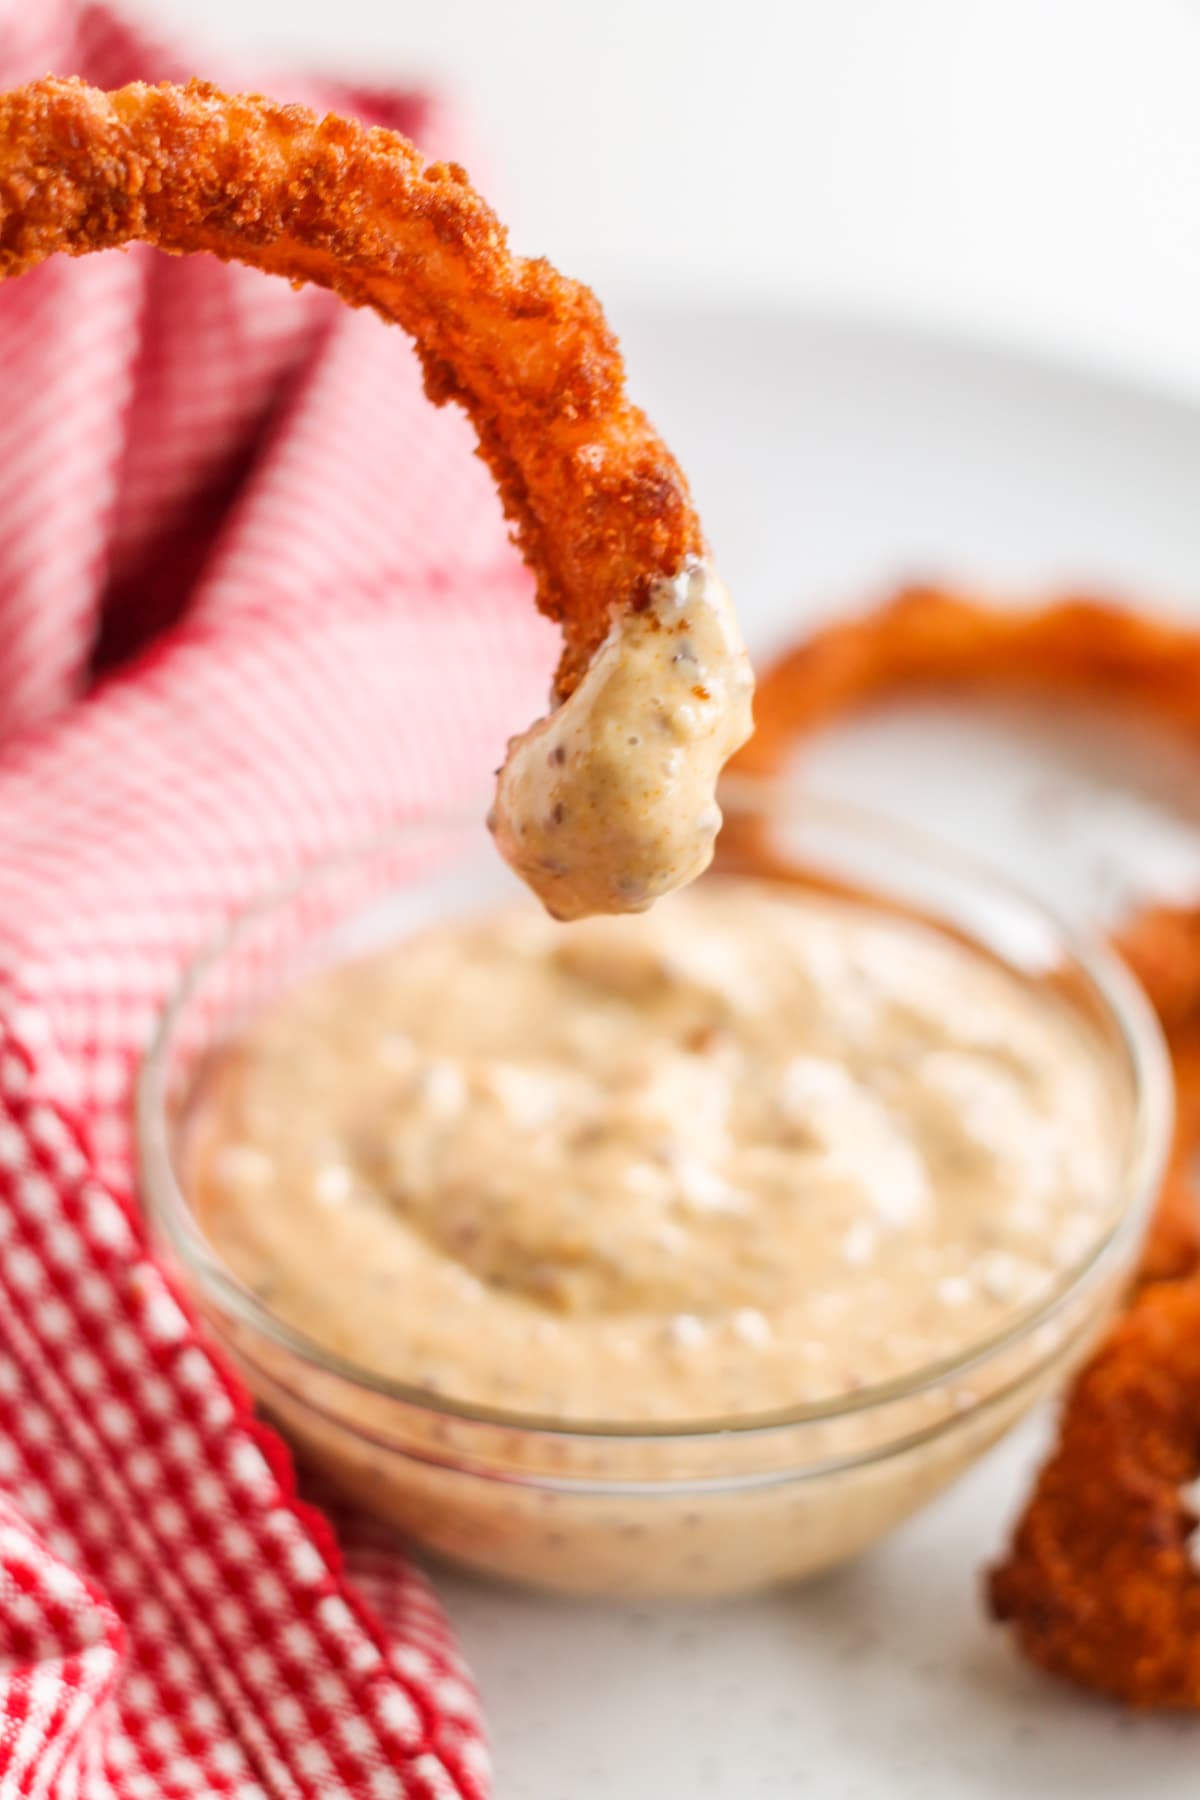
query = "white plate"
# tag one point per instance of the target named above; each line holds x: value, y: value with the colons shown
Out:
x: 830, y: 460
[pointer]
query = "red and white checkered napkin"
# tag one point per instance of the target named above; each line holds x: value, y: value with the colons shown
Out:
x: 235, y: 504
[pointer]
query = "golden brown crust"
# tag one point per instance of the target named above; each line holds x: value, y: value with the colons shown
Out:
x: 1172, y: 1246
x: 929, y: 638
x: 1100, y: 1584
x: 598, y: 505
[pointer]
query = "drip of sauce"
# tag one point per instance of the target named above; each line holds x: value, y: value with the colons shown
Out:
x: 610, y: 801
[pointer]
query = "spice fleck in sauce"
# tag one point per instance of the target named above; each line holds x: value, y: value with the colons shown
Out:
x: 610, y: 802
x: 750, y: 1149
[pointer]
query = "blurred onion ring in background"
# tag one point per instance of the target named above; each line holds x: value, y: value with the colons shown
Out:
x: 926, y: 638
x: 1100, y: 1583
x: 932, y: 640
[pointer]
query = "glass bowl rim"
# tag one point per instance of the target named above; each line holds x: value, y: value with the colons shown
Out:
x: 1137, y: 1030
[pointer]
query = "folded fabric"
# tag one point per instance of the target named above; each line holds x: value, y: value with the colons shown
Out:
x: 256, y: 600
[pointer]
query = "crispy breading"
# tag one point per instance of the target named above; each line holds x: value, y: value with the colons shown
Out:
x: 1172, y: 1246
x: 1101, y: 1583
x: 931, y: 639
x: 598, y: 505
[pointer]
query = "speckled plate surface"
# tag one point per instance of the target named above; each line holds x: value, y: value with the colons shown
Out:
x: 831, y: 460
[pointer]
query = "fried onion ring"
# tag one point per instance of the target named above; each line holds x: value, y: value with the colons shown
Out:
x: 598, y: 506
x: 1101, y: 1584
x: 929, y: 638
x: 1172, y: 1246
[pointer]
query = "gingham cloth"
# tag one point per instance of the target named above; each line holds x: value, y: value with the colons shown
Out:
x: 255, y: 600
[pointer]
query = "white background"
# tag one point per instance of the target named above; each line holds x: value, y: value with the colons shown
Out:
x: 1022, y: 169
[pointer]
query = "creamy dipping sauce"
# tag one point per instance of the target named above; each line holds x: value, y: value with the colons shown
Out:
x: 610, y: 802
x: 752, y: 1149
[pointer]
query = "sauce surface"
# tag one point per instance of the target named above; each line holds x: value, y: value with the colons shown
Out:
x: 749, y: 1150
x: 610, y: 801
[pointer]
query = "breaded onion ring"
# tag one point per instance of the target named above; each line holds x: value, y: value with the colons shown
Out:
x: 598, y: 506
x: 929, y: 638
x: 1172, y: 1246
x: 1101, y: 1583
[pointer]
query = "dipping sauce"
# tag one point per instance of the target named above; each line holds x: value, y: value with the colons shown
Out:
x: 610, y: 801
x: 753, y: 1149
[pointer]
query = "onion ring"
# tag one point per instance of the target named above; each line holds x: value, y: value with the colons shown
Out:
x: 932, y: 638
x: 1172, y: 1246
x: 1100, y: 1584
x: 598, y: 506
x: 928, y: 637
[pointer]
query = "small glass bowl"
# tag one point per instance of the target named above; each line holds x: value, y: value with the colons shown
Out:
x: 698, y: 1506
